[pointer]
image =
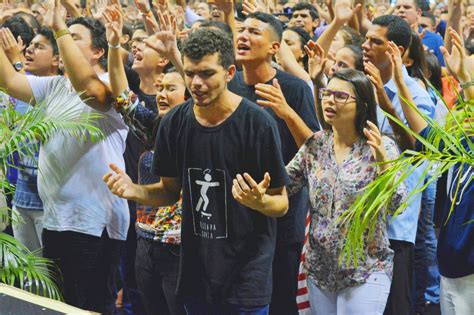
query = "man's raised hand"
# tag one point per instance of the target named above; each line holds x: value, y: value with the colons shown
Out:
x: 247, y: 192
x: 119, y: 183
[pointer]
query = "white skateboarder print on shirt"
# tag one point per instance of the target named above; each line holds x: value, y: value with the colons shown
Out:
x: 209, y: 202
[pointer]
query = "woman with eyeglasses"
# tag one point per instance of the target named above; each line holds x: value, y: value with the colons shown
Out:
x: 336, y: 164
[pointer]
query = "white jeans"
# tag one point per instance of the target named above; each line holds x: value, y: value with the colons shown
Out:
x: 366, y: 299
x: 457, y: 295
x: 29, y: 232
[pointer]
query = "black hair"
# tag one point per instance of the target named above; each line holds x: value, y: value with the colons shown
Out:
x: 204, y: 42
x: 398, y: 29
x: 429, y: 15
x: 97, y: 31
x: 29, y: 19
x: 358, y: 56
x: 19, y: 27
x: 469, y: 44
x: 434, y: 68
x: 240, y: 11
x: 423, y: 5
x: 127, y: 29
x: 306, y: 6
x: 417, y: 55
x: 48, y: 33
x: 269, y: 19
x: 217, y: 24
x: 304, y: 38
x: 366, y: 106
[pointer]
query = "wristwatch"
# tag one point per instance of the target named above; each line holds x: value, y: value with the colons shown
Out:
x: 18, y: 66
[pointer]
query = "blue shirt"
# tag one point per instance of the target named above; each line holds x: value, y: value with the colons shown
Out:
x: 433, y: 41
x: 456, y: 237
x: 403, y: 227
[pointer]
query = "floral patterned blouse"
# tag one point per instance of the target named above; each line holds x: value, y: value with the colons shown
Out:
x: 332, y: 189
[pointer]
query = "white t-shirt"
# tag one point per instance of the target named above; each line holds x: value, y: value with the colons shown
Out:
x: 70, y: 171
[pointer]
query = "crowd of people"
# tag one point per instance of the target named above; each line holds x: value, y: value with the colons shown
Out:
x: 226, y: 125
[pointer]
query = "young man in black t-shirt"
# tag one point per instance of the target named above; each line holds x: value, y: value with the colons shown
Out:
x: 258, y: 40
x: 212, y: 148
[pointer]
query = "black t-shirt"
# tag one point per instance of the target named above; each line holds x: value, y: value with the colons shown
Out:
x: 227, y: 249
x: 299, y: 96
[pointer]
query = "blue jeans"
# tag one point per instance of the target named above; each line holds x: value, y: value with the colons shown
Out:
x: 427, y: 276
x: 196, y: 306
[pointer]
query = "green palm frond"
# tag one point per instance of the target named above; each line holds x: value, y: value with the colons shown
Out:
x: 19, y: 266
x: 442, y: 149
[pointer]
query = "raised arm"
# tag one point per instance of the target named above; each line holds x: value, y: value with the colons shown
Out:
x: 343, y: 13
x: 14, y: 83
x: 71, y: 8
x: 114, y: 23
x: 454, y: 21
x: 404, y: 140
x: 81, y: 74
x: 164, y: 41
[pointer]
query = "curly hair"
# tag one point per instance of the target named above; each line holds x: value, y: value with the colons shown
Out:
x: 204, y: 42
x: 97, y: 30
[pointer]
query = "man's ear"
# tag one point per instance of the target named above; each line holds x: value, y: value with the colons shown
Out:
x: 163, y: 62
x: 275, y: 47
x: 230, y: 73
x: 98, y: 53
x: 402, y: 50
x: 55, y: 62
x: 315, y: 23
x: 124, y: 39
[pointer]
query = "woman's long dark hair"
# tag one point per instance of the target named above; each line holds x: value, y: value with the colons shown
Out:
x: 417, y: 54
x: 434, y: 68
x: 366, y: 106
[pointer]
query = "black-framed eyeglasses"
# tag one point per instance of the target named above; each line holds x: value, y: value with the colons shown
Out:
x: 340, y: 97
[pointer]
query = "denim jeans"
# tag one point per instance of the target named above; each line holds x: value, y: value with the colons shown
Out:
x: 427, y: 276
x: 157, y: 270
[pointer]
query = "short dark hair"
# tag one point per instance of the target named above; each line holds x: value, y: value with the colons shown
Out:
x: 205, y: 41
x: 429, y: 15
x: 19, y: 27
x: 48, y: 33
x: 275, y: 25
x: 217, y: 24
x: 366, y: 106
x: 29, y: 19
x: 398, y: 29
x: 97, y: 30
x: 306, y: 6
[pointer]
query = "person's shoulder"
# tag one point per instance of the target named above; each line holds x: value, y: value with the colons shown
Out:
x: 285, y: 78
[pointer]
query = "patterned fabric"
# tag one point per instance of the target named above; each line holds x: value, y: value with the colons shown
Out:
x: 332, y: 189
x: 162, y: 224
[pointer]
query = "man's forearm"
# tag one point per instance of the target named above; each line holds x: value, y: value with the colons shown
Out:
x: 82, y: 76
x: 404, y: 140
x: 298, y: 128
x: 155, y: 195
x: 274, y: 206
x: 118, y: 78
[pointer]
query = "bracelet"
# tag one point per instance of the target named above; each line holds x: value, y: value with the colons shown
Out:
x: 60, y: 33
x: 466, y: 84
x: 114, y: 46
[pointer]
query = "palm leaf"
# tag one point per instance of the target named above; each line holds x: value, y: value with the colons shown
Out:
x: 442, y: 149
